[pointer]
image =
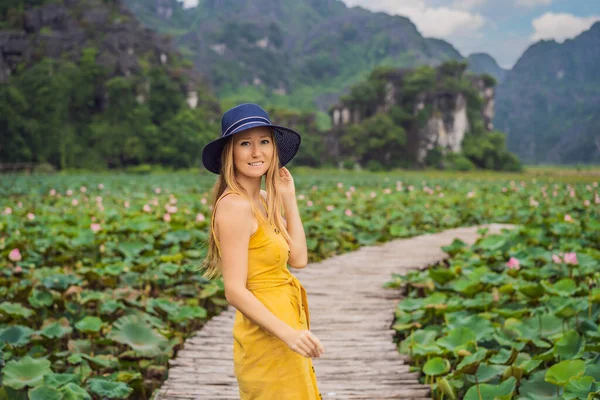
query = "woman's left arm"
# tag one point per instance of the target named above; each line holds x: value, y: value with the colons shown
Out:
x: 298, y: 250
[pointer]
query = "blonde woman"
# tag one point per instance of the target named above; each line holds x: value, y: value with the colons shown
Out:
x: 250, y: 245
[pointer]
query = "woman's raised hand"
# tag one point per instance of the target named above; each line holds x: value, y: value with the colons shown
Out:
x: 305, y: 343
x: 285, y: 182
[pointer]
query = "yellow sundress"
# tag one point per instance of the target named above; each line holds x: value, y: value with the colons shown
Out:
x: 265, y: 367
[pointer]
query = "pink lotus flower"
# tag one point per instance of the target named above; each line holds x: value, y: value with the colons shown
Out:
x: 83, y: 189
x: 513, y: 263
x: 75, y: 202
x: 146, y: 208
x: 52, y: 192
x: 7, y: 211
x: 167, y: 217
x: 69, y: 192
x: 441, y: 195
x: 301, y: 197
x: 100, y: 186
x: 14, y: 255
x: 373, y: 195
x: 155, y: 202
x: 586, y: 203
x: 571, y: 258
x: 309, y: 203
x: 352, y: 188
x: 330, y: 208
x: 203, y: 200
x: 340, y: 185
x: 200, y: 217
x: 98, y: 199
x: 348, y: 213
x: 18, y: 270
x: 387, y: 191
x: 30, y: 216
x: 568, y: 218
x: 470, y: 195
x: 126, y: 204
x: 95, y: 227
x: 157, y: 190
x: 556, y: 259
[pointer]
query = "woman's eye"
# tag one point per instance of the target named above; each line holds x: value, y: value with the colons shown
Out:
x: 266, y: 141
x: 244, y: 143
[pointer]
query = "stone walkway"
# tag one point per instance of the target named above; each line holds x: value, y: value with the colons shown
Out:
x: 350, y: 313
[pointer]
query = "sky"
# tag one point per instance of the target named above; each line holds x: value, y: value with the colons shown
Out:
x: 502, y: 28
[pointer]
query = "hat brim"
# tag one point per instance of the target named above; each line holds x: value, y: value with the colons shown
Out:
x: 287, y: 141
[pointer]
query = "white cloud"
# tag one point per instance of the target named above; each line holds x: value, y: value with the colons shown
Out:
x: 560, y: 26
x: 189, y: 3
x: 431, y: 21
x: 467, y: 4
x: 533, y: 3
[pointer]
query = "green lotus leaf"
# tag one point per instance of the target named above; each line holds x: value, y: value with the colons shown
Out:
x: 25, y: 372
x: 16, y: 335
x: 410, y: 304
x: 529, y: 365
x: 580, y: 388
x: 75, y: 358
x: 536, y: 388
x: 532, y: 290
x: 436, y: 366
x: 72, y: 391
x: 467, y: 286
x: 58, y: 380
x: 80, y: 346
x: 109, y: 307
x: 56, y: 329
x: 125, y: 376
x: 44, y: 393
x: 40, y: 298
x: 111, y: 390
x: 89, y: 324
x: 188, y: 312
x: 167, y: 305
x: 564, y: 287
x: 102, y: 361
x: 560, y: 374
x: 457, y: 338
x: 446, y: 387
x: 132, y: 249
x: 592, y: 367
x: 503, y: 391
x: 546, y: 325
x: 469, y: 364
x: 15, y: 310
x: 491, y: 243
x: 169, y: 268
x: 441, y: 275
x: 571, y: 345
x: 114, y: 269
x: 486, y: 373
x: 61, y: 281
x: 504, y: 357
x: 455, y: 247
x: 90, y: 295
x: 134, y: 332
x: 434, y: 300
x: 426, y: 350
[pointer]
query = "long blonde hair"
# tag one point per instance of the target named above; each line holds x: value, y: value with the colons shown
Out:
x: 226, y: 179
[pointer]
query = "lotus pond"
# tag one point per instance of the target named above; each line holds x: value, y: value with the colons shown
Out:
x: 99, y: 288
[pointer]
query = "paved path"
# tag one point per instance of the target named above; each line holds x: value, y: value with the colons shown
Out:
x: 350, y: 313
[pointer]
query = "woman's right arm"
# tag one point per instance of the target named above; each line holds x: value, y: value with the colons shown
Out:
x: 234, y: 222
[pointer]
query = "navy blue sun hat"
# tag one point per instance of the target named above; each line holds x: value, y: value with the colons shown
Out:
x: 241, y: 118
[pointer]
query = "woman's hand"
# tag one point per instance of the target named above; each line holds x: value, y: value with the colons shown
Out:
x: 285, y: 183
x: 305, y: 343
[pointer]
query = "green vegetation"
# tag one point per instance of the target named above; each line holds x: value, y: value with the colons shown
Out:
x: 99, y: 288
x: 516, y: 314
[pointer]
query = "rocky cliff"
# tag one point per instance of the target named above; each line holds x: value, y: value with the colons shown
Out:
x: 62, y: 29
x: 439, y: 115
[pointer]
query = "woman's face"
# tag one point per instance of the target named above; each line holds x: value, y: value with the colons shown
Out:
x: 253, y: 151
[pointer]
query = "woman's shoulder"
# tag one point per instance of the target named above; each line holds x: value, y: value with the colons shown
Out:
x: 233, y: 205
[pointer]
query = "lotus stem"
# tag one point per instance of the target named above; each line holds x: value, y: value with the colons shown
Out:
x: 478, y: 388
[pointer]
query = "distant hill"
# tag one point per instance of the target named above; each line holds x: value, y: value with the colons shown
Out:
x: 297, y: 53
x: 549, y: 103
x: 483, y: 63
x: 84, y: 85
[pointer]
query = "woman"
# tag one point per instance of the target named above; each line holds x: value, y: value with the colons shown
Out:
x: 250, y: 245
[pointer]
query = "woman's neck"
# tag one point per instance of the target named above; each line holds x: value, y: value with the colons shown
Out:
x: 251, y: 185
